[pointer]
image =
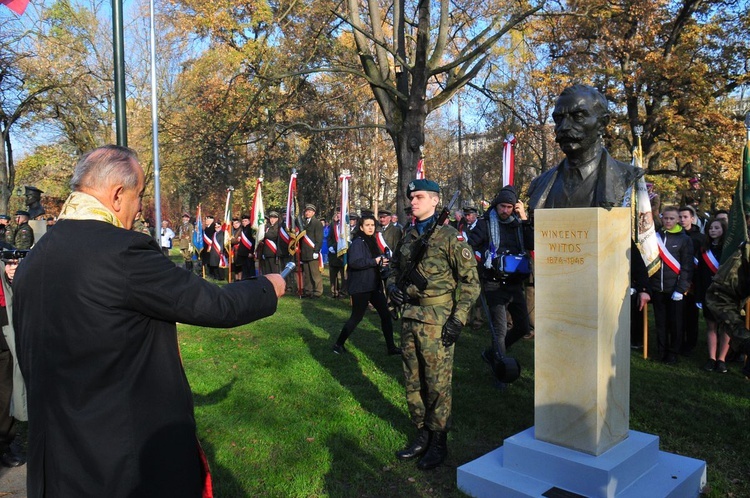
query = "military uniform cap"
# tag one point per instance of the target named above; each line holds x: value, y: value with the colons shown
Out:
x: 23, y: 213
x: 384, y: 212
x: 185, y: 215
x: 353, y: 216
x: 4, y: 217
x: 471, y: 209
x: 311, y: 207
x: 427, y: 185
x: 273, y: 214
x: 32, y: 189
x: 209, y: 216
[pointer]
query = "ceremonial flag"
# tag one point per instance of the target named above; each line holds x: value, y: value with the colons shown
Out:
x: 257, y: 215
x: 17, y: 6
x: 509, y: 160
x: 420, y: 168
x: 644, y: 229
x: 291, y: 205
x: 198, y: 233
x: 342, y: 242
x: 226, y: 227
x: 737, y: 229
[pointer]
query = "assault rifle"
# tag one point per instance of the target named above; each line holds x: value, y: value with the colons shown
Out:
x: 410, y: 274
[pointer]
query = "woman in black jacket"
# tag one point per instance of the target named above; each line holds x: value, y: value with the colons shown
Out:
x: 708, y: 265
x: 365, y: 260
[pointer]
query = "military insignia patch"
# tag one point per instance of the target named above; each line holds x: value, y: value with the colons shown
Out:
x: 412, y: 186
x: 465, y: 253
x: 460, y: 237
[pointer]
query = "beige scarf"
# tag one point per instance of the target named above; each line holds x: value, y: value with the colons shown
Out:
x: 81, y: 206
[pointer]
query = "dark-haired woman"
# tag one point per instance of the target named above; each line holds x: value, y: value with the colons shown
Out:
x: 365, y: 260
x: 708, y: 265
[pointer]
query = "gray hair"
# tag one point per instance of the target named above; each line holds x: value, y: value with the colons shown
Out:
x: 105, y: 166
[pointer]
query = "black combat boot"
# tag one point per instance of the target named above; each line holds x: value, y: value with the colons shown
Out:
x: 418, y: 447
x: 436, y: 453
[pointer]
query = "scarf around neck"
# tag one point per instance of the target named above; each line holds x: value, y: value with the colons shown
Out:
x: 82, y: 206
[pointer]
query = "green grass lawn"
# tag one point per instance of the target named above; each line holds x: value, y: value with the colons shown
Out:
x: 279, y: 414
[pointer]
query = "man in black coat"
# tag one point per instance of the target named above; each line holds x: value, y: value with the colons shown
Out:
x: 110, y: 408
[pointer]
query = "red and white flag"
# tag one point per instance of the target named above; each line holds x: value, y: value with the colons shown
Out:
x: 257, y: 214
x: 17, y: 6
x: 342, y: 231
x: 420, y: 169
x: 509, y: 160
x: 291, y: 204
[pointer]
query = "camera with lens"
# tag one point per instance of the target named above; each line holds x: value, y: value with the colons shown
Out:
x: 14, y: 254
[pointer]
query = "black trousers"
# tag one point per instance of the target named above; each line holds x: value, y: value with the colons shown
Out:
x: 7, y: 423
x: 511, y: 297
x: 668, y: 318
x: 359, y: 307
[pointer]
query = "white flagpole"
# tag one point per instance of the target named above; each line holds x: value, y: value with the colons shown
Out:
x: 155, y: 126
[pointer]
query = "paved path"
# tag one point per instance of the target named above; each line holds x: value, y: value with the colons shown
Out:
x: 13, y: 482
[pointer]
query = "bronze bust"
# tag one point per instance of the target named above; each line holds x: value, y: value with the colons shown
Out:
x: 34, y: 202
x: 588, y: 176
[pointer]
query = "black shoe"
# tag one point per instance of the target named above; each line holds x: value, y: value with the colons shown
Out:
x: 436, y: 453
x: 721, y: 367
x: 14, y: 456
x: 393, y: 351
x: 711, y: 365
x: 339, y: 349
x: 418, y: 447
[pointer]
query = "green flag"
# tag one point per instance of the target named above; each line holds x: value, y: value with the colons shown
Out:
x: 737, y: 230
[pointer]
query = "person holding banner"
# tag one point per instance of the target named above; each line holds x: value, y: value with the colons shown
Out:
x: 311, y: 239
x: 245, y: 252
x: 336, y: 272
x: 670, y: 284
x: 269, y: 252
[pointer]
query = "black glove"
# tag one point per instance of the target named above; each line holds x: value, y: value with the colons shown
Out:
x: 396, y: 295
x: 451, y: 331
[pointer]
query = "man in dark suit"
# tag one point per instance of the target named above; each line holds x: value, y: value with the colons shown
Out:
x: 310, y: 245
x: 110, y: 408
x: 588, y: 176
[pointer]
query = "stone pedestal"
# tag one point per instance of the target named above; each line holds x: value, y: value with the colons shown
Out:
x: 581, y: 445
x: 39, y: 227
x: 582, y: 348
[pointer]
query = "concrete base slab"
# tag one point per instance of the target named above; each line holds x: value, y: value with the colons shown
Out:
x: 526, y: 467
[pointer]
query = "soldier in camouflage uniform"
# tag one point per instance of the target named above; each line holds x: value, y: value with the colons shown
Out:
x: 23, y: 235
x: 725, y: 297
x: 185, y: 236
x: 432, y: 321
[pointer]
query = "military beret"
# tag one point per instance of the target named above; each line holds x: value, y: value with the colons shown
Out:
x: 23, y: 213
x: 311, y: 207
x: 4, y: 217
x: 384, y: 212
x: 273, y: 214
x: 427, y: 185
x: 32, y: 189
x: 471, y: 209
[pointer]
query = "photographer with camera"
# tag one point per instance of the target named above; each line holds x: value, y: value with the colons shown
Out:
x: 505, y: 265
x: 366, y: 262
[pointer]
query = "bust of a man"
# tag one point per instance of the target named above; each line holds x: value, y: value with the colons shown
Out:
x: 34, y: 202
x: 588, y: 176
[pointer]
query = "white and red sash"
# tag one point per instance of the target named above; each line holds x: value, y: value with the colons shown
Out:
x: 308, y: 241
x: 711, y: 261
x: 284, y: 235
x: 271, y: 245
x: 666, y: 256
x: 478, y: 256
x: 246, y: 241
x: 381, y: 242
x: 207, y: 241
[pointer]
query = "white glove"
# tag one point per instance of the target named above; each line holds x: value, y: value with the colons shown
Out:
x: 677, y: 296
x: 332, y: 250
x: 699, y: 306
x: 315, y: 256
x: 632, y: 291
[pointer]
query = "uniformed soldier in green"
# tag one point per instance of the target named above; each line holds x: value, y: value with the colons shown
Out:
x: 726, y: 296
x: 23, y: 236
x: 185, y: 236
x: 434, y: 312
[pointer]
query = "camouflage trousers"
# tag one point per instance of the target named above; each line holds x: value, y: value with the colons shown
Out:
x: 428, y: 371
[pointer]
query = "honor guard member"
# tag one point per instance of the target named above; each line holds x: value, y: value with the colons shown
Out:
x: 336, y: 273
x: 23, y: 237
x: 208, y: 239
x: 245, y: 253
x: 391, y: 233
x: 269, y: 252
x: 310, y: 252
x: 435, y: 310
x: 185, y: 237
